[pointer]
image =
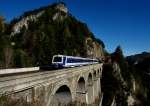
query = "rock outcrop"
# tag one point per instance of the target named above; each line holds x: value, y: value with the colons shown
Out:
x: 24, y: 23
x: 62, y: 7
x: 94, y: 50
x: 32, y: 17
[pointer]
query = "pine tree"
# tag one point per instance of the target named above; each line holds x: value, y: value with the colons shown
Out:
x: 118, y: 57
x: 2, y: 25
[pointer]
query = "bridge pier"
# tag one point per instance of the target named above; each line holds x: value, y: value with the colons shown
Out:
x: 81, y: 97
x: 99, y: 85
x: 81, y: 90
x: 40, y: 94
x: 90, y: 94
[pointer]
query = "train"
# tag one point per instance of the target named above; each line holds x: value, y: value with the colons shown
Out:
x: 62, y: 61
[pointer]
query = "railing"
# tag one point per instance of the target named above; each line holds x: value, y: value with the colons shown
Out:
x: 18, y: 70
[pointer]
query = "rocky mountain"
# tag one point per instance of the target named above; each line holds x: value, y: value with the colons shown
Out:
x: 137, y: 58
x: 39, y: 34
x: 35, y: 14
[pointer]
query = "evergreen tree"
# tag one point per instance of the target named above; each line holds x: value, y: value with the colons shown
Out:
x: 6, y: 51
x: 118, y: 57
x: 2, y: 24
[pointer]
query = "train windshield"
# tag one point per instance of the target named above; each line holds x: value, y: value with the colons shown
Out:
x: 57, y: 59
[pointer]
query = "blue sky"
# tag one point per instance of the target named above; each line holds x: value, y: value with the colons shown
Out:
x: 116, y: 22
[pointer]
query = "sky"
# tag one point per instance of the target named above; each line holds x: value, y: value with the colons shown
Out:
x: 115, y: 22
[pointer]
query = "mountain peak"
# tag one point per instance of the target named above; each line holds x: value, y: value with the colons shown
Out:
x: 62, y: 7
x: 33, y: 15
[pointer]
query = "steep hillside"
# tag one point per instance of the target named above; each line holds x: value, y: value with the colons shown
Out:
x: 139, y: 66
x: 126, y: 80
x: 39, y: 34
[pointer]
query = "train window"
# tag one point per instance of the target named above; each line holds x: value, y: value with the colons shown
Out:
x: 69, y: 60
x: 57, y: 59
x: 79, y: 60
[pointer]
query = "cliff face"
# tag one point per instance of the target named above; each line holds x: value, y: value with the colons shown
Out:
x: 116, y: 91
x: 127, y: 85
x: 39, y: 34
x: 139, y: 66
x: 94, y: 49
x: 23, y: 22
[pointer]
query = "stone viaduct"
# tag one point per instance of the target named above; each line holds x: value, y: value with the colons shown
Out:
x: 78, y: 84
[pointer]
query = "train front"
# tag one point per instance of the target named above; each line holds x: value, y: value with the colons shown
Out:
x: 57, y: 61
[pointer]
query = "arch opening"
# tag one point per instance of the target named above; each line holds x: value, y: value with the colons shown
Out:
x: 62, y: 96
x: 81, y: 85
x: 90, y: 79
x: 94, y: 74
x: 98, y: 71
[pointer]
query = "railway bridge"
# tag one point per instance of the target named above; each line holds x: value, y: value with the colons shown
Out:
x: 78, y: 84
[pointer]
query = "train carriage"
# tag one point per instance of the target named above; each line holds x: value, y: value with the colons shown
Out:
x: 61, y: 61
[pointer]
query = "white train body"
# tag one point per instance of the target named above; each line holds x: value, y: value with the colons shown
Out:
x: 61, y: 61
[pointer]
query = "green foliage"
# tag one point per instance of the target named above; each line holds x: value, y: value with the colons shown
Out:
x: 118, y: 57
x: 111, y: 87
x: 21, y: 59
x: 1, y: 50
x: 6, y: 51
x: 2, y: 25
